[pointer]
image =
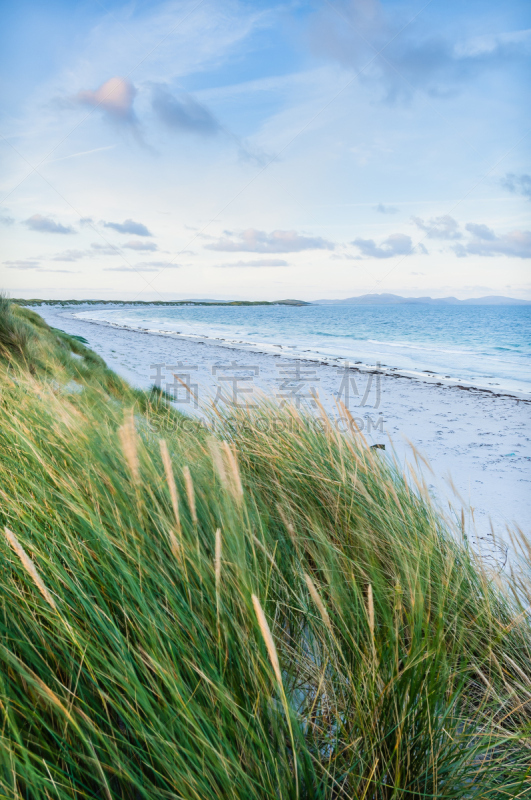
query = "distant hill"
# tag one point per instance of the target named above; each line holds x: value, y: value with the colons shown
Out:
x: 200, y: 300
x: 37, y: 302
x: 395, y: 299
x: 291, y: 303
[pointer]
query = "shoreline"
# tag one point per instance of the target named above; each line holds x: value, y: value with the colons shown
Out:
x: 476, y: 442
x: 433, y: 378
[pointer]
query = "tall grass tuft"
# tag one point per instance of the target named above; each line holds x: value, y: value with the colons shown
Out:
x: 273, y: 611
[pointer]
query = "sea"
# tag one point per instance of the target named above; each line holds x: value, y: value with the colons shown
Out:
x: 483, y: 346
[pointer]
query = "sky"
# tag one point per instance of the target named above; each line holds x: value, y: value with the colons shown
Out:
x: 258, y: 150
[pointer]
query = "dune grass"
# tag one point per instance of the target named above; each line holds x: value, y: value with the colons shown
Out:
x: 270, y: 610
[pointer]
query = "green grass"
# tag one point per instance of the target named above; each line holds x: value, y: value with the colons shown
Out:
x: 158, y: 585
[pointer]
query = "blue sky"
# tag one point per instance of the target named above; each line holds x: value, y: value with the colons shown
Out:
x: 256, y: 150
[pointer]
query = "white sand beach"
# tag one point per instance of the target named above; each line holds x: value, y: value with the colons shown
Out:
x: 477, y: 443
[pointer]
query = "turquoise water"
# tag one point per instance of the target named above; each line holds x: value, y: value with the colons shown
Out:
x: 488, y: 346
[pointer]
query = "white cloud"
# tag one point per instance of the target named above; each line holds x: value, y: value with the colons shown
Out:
x: 135, y: 244
x: 129, y: 226
x: 344, y: 256
x: 261, y: 262
x: 22, y: 264
x: 115, y: 97
x: 159, y: 264
x: 105, y: 249
x: 47, y: 225
x: 480, y: 231
x: 144, y: 266
x: 62, y: 271
x: 518, y: 184
x: 397, y: 244
x: 444, y: 227
x: 253, y: 241
x: 69, y: 255
x: 182, y: 113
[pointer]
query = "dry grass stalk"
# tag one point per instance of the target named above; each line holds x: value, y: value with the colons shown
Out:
x: 370, y: 610
x: 128, y: 441
x: 237, y: 489
x: 217, y: 459
x: 419, y: 482
x: 174, y: 544
x: 517, y: 669
x: 190, y: 493
x: 166, y: 460
x: 418, y: 455
x: 217, y: 561
x: 287, y: 524
x: 316, y: 597
x: 53, y: 697
x: 30, y: 568
x: 217, y: 576
x: 268, y: 637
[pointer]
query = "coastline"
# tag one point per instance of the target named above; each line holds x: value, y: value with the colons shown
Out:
x: 474, y: 440
x: 427, y: 376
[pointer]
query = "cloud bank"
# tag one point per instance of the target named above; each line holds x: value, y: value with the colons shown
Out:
x: 253, y: 241
x: 483, y: 241
x: 515, y: 244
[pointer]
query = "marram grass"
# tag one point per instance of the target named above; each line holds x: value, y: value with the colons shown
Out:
x: 272, y: 611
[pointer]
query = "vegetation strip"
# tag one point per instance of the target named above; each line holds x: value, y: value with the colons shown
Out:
x: 273, y: 615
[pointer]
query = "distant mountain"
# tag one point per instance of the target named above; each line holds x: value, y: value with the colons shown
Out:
x: 395, y: 299
x: 496, y: 300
